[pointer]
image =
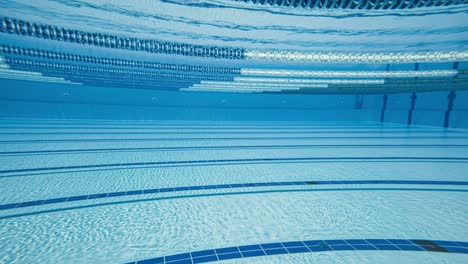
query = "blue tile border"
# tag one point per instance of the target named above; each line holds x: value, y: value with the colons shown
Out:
x: 227, y: 186
x: 310, y: 246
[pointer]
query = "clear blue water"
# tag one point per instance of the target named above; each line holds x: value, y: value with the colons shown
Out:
x: 139, y: 131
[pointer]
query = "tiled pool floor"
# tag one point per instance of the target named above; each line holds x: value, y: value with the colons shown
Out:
x: 88, y: 191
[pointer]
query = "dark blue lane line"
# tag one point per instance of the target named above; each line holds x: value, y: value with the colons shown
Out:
x: 222, y: 186
x: 72, y: 151
x: 229, y: 194
x: 451, y: 98
x: 58, y: 172
x: 52, y: 132
x: 29, y: 141
x: 214, y: 126
x: 384, y: 104
x: 219, y: 127
x: 309, y: 246
x: 218, y: 161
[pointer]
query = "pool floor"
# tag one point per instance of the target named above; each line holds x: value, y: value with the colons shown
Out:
x: 104, y: 191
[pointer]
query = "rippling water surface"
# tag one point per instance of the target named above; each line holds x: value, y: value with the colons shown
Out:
x: 239, y: 24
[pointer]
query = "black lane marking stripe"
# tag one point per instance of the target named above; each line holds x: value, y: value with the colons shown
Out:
x: 234, y: 147
x: 131, y: 164
x: 216, y: 138
x: 224, y: 186
x: 229, y: 194
x: 123, y: 126
x: 223, y: 132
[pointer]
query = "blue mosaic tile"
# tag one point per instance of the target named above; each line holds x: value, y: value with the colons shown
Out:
x: 222, y: 186
x: 313, y: 242
x: 293, y: 244
x: 447, y: 243
x: 352, y: 182
x: 429, y: 245
x: 226, y: 250
x: 464, y: 244
x: 275, y: 251
x: 410, y: 247
x: 364, y: 247
x: 151, y: 261
x: 271, y: 245
x: 275, y: 184
x: 178, y: 257
x: 336, y: 242
x: 262, y: 184
x: 293, y: 247
x: 151, y: 191
x: 181, y: 189
x: 229, y: 256
x: 457, y: 249
x: 341, y: 247
x: 134, y: 192
x: 399, y: 242
x: 166, y: 190
x: 113, y: 194
x: 32, y: 203
x: 298, y: 249
x: 319, y: 248
x: 96, y: 196
x: 299, y: 183
x: 207, y: 187
x: 326, y: 182
x: 77, y: 198
x: 378, y: 241
x: 56, y: 200
x: 386, y: 247
x: 203, y: 253
x: 254, y: 253
x: 182, y: 261
x: 250, y: 247
x: 357, y: 241
x: 205, y: 259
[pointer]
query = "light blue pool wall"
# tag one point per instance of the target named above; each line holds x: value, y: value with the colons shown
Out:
x: 429, y: 109
x: 27, y: 99
x: 23, y: 99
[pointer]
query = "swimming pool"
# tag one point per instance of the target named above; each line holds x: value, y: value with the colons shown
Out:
x: 233, y: 131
